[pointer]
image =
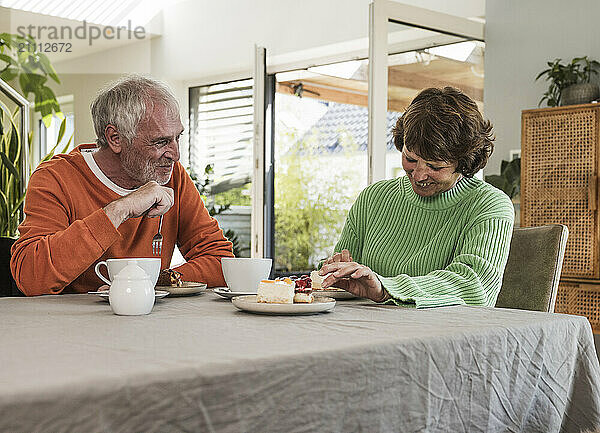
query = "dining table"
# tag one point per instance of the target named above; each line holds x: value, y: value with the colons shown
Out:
x: 198, y: 364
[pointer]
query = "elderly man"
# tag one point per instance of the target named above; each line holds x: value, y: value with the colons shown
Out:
x: 98, y: 201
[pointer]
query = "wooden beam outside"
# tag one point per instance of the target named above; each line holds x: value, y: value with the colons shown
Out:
x: 325, y: 94
x: 416, y: 81
x: 341, y: 96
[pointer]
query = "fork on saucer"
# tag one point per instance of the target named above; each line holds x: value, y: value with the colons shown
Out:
x: 157, y: 240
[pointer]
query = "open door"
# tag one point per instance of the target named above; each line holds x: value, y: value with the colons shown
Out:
x: 258, y: 154
x: 412, y: 48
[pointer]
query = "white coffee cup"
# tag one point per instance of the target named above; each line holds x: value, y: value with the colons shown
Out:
x: 151, y: 266
x: 243, y: 274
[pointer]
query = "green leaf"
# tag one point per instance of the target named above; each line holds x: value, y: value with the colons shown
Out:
x: 5, y: 39
x: 17, y: 206
x: 509, y: 180
x: 9, y: 165
x: 496, y: 180
x: 7, y: 59
x: 541, y: 74
x: 47, y: 67
x: 32, y: 82
x: 61, y: 131
x: 66, y: 148
x: 512, y: 172
x: 47, y: 119
x: 9, y: 74
x: 4, y: 214
x: 45, y: 101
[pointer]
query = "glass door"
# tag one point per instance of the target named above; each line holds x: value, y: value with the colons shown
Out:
x: 320, y: 159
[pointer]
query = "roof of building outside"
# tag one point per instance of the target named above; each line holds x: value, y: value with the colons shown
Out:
x: 348, y: 119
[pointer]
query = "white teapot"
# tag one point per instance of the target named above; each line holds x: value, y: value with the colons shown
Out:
x: 131, y: 292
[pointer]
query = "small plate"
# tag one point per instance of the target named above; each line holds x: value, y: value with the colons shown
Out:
x: 158, y: 294
x: 339, y: 294
x: 224, y: 292
x: 248, y: 303
x: 188, y: 288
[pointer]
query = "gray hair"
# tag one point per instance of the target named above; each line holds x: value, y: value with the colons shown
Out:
x: 125, y: 102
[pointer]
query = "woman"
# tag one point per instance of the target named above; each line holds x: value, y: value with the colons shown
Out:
x: 436, y: 236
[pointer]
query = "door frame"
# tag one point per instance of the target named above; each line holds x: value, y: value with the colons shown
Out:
x: 257, y: 234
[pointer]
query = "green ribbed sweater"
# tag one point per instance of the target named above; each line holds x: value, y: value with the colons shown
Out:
x: 432, y: 251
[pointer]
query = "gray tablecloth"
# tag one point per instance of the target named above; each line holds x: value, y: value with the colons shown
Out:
x: 197, y: 364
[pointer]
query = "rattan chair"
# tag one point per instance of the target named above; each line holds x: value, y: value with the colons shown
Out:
x: 533, y: 269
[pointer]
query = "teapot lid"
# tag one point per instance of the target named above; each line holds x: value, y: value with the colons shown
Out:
x: 132, y: 272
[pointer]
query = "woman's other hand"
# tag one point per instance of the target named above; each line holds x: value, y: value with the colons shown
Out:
x: 354, y: 278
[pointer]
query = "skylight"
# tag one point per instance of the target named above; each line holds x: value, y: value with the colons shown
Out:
x: 107, y: 12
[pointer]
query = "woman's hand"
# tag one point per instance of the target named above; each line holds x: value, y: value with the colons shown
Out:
x: 354, y: 278
x: 343, y: 256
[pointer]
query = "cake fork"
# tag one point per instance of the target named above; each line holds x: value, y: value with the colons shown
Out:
x: 157, y: 240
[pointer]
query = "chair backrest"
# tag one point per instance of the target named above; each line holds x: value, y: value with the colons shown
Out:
x: 533, y: 269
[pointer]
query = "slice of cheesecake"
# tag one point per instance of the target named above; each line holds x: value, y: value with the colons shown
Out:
x: 276, y: 291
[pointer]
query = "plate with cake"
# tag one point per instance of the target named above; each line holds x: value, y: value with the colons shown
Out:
x: 186, y: 288
x: 284, y: 296
x: 170, y: 281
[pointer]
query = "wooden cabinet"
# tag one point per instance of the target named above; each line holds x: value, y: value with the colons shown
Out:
x: 559, y: 184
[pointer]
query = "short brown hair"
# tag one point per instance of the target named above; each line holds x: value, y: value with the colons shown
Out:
x: 446, y: 125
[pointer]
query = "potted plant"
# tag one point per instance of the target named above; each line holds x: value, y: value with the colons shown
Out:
x: 570, y: 83
x: 509, y: 181
x: 31, y: 70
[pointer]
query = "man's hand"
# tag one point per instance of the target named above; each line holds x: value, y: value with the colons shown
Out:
x: 150, y: 199
x: 354, y: 278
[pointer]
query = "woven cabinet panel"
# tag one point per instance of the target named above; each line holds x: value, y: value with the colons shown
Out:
x: 580, y: 299
x: 558, y: 183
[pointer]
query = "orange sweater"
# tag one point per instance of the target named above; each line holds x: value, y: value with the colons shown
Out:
x: 66, y: 231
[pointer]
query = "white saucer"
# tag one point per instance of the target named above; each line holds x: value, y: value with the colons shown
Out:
x: 188, y: 288
x: 248, y: 303
x: 224, y: 292
x: 158, y: 294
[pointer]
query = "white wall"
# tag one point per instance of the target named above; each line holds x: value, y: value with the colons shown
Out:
x: 521, y: 36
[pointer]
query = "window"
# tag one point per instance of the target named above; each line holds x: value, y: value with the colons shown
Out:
x: 221, y: 133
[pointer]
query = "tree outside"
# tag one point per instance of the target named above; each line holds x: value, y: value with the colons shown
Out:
x: 314, y: 189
